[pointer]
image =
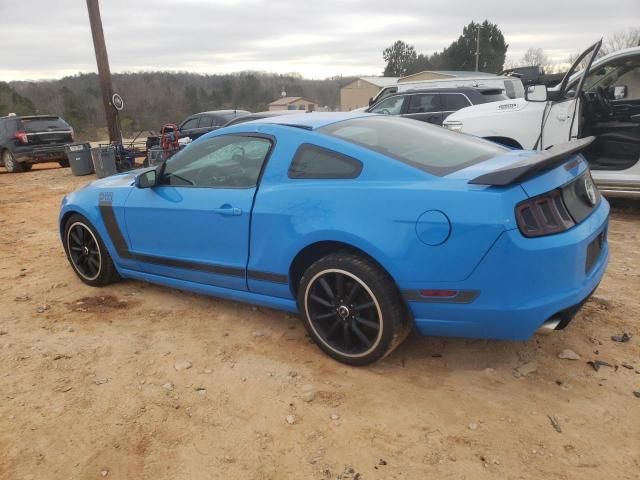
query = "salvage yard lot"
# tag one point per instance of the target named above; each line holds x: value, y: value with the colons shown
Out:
x: 138, y: 381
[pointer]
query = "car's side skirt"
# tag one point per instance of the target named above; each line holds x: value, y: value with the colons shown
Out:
x: 279, y: 303
x: 122, y: 249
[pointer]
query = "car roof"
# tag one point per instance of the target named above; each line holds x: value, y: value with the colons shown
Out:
x: 259, y: 115
x: 219, y: 112
x: 449, y: 90
x: 311, y: 120
x: 28, y: 117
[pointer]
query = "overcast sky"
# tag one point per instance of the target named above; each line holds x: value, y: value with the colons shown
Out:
x: 317, y: 38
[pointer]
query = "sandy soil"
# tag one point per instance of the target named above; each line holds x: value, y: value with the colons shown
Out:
x: 93, y: 382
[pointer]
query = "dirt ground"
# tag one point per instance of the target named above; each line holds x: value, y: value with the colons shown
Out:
x: 94, y: 382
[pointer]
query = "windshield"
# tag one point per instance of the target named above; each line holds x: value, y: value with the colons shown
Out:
x: 43, y: 124
x: 612, y: 73
x: 432, y: 149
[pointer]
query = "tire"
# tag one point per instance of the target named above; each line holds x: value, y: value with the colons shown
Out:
x: 64, y: 163
x: 87, y: 254
x: 10, y: 163
x: 352, y: 309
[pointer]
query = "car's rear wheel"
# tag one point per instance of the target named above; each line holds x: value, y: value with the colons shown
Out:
x: 64, y: 163
x: 352, y: 309
x: 87, y: 254
x: 10, y: 162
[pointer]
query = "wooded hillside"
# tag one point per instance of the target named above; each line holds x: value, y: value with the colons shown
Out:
x: 155, y: 98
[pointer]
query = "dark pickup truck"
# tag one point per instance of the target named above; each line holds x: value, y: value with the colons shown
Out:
x: 25, y: 140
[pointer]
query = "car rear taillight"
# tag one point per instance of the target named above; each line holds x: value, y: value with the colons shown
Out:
x: 21, y: 137
x: 543, y: 215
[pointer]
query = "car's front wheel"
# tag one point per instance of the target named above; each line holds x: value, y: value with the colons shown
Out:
x: 87, y: 254
x: 352, y: 309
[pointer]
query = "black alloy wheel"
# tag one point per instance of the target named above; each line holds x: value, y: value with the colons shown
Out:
x: 84, y: 251
x: 352, y: 308
x: 344, y: 312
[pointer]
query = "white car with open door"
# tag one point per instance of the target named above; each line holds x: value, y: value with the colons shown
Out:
x: 601, y: 100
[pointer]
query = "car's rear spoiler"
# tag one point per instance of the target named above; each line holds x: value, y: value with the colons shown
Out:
x: 540, y: 162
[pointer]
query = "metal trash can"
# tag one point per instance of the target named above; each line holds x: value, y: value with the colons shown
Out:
x: 104, y: 161
x: 79, y: 155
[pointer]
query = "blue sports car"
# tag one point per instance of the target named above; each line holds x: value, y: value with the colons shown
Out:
x: 367, y: 225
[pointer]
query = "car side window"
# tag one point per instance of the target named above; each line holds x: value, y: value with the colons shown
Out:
x: 423, y: 103
x: 227, y: 161
x: 454, y: 102
x: 389, y: 106
x: 206, y: 121
x: 313, y: 162
x: 189, y: 124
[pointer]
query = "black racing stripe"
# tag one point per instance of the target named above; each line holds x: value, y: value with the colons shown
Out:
x: 187, y: 265
x: 463, y: 296
x: 114, y: 232
x: 111, y: 224
x: 267, y: 276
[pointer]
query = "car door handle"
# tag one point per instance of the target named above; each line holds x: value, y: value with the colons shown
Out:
x: 227, y: 209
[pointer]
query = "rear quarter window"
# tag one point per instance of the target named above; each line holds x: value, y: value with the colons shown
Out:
x: 311, y: 161
x: 435, y: 150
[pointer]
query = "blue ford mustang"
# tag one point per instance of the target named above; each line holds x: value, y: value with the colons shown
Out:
x: 367, y: 225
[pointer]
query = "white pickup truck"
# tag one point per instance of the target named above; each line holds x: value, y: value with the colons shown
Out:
x: 601, y: 100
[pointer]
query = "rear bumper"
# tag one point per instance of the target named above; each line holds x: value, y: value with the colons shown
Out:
x: 521, y: 284
x: 53, y: 153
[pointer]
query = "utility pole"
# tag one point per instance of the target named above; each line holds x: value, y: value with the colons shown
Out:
x: 477, y: 46
x: 113, y: 121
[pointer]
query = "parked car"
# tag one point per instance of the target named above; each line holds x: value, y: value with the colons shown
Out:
x: 25, y: 140
x: 259, y: 115
x: 365, y: 224
x: 434, y: 105
x: 511, y: 85
x: 535, y: 75
x: 198, y: 124
x: 601, y: 100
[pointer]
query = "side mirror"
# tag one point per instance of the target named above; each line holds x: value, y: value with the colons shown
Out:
x: 370, y: 101
x: 147, y: 179
x: 536, y: 93
x: 619, y: 92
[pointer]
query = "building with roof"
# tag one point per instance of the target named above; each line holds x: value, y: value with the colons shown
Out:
x: 293, y: 103
x: 357, y: 93
x: 442, y: 75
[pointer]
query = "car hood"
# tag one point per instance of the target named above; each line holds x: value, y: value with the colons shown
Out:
x: 481, y: 110
x: 115, y: 181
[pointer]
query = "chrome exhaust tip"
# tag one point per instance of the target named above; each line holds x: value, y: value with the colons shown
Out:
x: 549, y: 326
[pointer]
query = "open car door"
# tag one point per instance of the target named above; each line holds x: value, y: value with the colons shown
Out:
x: 561, y: 116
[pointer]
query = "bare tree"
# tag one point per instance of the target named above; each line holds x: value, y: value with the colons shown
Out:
x: 620, y: 39
x: 534, y: 56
